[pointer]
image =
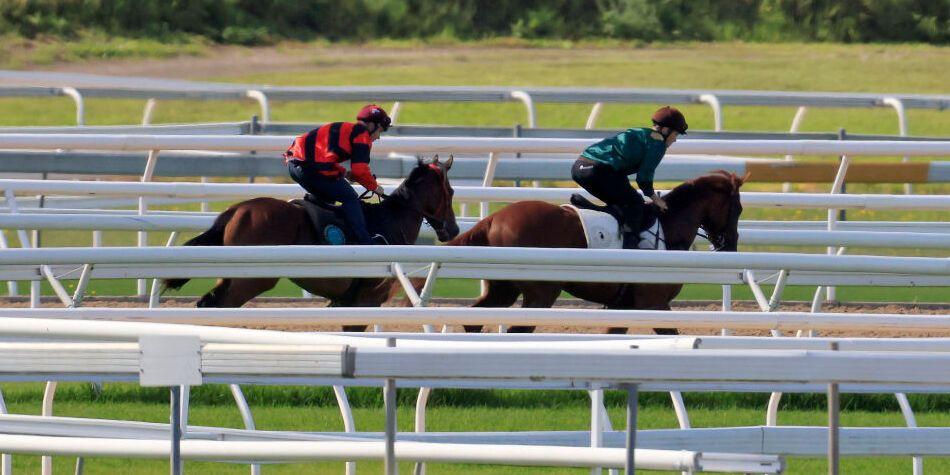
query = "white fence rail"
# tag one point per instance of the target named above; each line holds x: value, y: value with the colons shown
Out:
x: 725, y: 368
x: 466, y: 145
x: 475, y: 256
x: 462, y: 194
x: 772, y: 237
x: 18, y: 322
x: 78, y: 85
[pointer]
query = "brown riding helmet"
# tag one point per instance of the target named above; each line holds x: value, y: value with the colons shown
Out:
x: 671, y: 117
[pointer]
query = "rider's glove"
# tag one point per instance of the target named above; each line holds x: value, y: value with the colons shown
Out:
x: 659, y: 202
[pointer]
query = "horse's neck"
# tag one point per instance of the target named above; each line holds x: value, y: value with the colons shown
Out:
x: 395, y: 220
x: 680, y: 225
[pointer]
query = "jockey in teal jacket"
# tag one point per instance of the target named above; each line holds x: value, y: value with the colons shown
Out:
x: 603, y: 168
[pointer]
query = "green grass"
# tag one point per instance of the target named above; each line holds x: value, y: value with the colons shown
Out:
x: 509, y: 411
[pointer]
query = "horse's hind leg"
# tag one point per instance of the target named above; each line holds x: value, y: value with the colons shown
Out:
x: 500, y: 293
x: 215, y: 295
x: 235, y: 292
x: 664, y: 331
x: 536, y: 295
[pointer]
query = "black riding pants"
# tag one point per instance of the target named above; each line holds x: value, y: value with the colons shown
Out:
x: 611, y: 187
x: 332, y: 189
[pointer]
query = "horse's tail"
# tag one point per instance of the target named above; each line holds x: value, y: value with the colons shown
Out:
x: 477, y: 236
x: 214, y: 236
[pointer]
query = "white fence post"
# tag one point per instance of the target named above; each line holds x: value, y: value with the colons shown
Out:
x: 796, y: 125
x: 80, y: 106
x: 261, y: 99
x: 898, y: 106
x: 147, y: 175
x: 836, y: 188
x: 594, y: 115
x: 713, y: 102
x: 148, y: 112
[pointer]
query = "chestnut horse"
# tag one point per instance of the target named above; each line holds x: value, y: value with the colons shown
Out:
x: 425, y: 194
x: 709, y: 202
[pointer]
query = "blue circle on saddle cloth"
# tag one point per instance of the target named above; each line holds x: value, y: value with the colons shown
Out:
x: 333, y: 235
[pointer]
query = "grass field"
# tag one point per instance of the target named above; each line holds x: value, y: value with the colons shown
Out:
x: 807, y: 67
x: 307, y: 409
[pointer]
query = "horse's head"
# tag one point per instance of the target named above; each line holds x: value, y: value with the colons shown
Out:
x: 720, y: 218
x: 431, y: 191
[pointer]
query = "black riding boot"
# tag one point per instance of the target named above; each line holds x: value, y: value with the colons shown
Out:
x: 632, y: 215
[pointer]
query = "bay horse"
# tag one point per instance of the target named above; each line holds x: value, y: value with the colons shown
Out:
x: 425, y: 194
x: 710, y: 202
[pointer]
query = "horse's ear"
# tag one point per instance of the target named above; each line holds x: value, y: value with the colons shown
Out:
x: 744, y: 179
x: 448, y: 163
x: 435, y: 159
x: 420, y: 161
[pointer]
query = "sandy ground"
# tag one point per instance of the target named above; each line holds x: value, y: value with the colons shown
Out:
x: 881, y: 308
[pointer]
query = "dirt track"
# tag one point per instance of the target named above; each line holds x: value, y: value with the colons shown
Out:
x: 913, y: 309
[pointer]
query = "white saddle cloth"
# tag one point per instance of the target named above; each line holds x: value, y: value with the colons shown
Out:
x: 603, y: 232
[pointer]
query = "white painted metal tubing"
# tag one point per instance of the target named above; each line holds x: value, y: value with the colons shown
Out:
x: 861, y: 235
x: 594, y: 115
x: 462, y: 193
x: 49, y: 394
x: 31, y: 360
x: 713, y: 102
x: 348, y: 423
x: 796, y: 124
x: 59, y: 321
x: 148, y: 111
x: 261, y: 99
x: 525, y: 99
x: 844, y: 238
x: 468, y: 145
x: 898, y: 106
x: 656, y: 365
x: 6, y: 460
x: 908, y: 412
x: 80, y: 106
x: 480, y: 255
x: 290, y: 451
x: 246, y: 417
x: 596, y: 422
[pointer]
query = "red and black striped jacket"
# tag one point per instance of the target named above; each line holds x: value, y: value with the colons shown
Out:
x: 332, y: 144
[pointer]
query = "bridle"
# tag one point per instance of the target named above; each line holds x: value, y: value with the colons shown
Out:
x: 436, y: 219
x: 719, y: 241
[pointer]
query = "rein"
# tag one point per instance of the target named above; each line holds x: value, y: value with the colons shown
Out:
x: 398, y: 196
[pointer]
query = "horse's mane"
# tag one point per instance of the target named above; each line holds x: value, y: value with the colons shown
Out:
x: 690, y: 191
x: 382, y: 208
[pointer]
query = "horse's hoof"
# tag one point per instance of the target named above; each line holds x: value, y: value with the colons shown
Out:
x: 206, y: 301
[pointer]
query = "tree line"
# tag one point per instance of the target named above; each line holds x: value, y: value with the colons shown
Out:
x: 253, y: 22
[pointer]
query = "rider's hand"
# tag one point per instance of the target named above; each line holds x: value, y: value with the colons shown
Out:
x: 659, y: 202
x: 379, y: 191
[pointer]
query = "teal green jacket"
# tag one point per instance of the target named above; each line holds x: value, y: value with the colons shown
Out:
x: 629, y: 152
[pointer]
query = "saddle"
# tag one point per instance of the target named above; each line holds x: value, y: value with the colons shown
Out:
x: 649, y: 229
x: 327, y: 220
